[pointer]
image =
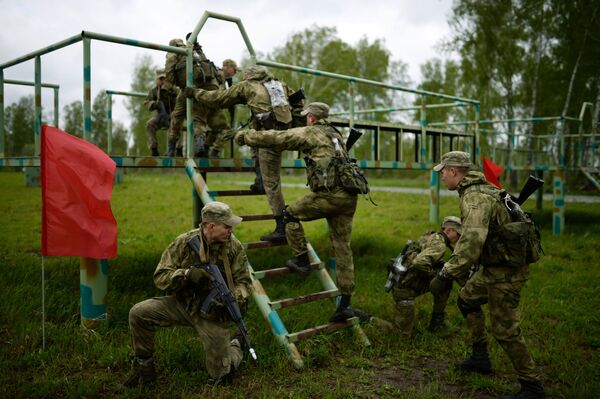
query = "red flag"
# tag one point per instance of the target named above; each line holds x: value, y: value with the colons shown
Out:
x: 492, y: 172
x: 77, y: 181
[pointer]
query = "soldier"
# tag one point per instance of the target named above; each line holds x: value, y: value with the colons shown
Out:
x: 186, y: 286
x: 423, y: 259
x: 161, y: 98
x: 206, y: 77
x: 220, y: 132
x: 268, y: 102
x: 320, y: 141
x: 498, y: 284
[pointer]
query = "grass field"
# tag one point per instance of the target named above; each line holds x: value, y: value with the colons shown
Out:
x: 560, y: 306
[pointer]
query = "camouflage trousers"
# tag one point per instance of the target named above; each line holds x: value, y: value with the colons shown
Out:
x: 199, y: 117
x: 152, y: 126
x: 500, y: 288
x: 219, y: 132
x: 413, y: 285
x: 338, y: 208
x: 270, y: 170
x: 166, y: 311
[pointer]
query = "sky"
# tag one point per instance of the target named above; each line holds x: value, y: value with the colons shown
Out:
x: 411, y: 30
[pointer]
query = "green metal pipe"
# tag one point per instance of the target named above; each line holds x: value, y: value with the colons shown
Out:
x: 492, y: 121
x: 126, y: 93
x: 2, y: 154
x: 434, y: 197
x: 45, y: 50
x: 56, y: 108
x: 87, y: 88
x: 131, y: 42
x: 37, y: 124
x: 360, y: 80
x: 109, y: 123
x: 423, y: 123
x: 397, y: 109
x: 188, y: 101
x: 25, y: 83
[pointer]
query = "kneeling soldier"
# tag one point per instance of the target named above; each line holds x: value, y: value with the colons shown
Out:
x: 421, y: 261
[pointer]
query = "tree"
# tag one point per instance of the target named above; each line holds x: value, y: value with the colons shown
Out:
x: 143, y: 80
x: 19, y: 122
x: 73, y: 118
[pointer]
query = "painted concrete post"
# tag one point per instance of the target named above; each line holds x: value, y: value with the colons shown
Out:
x: 87, y: 89
x: 109, y: 124
x: 558, y: 208
x: 93, y: 278
x: 434, y: 198
x: 56, y: 108
x: 188, y: 101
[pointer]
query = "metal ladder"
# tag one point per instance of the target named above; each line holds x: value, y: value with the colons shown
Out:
x: 593, y: 175
x: 266, y: 305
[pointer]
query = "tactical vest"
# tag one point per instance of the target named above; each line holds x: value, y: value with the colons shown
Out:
x: 513, y: 244
x: 415, y: 248
x: 205, y: 71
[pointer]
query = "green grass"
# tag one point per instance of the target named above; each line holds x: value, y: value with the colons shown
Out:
x: 561, y: 321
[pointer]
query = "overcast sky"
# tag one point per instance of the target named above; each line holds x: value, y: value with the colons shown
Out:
x: 410, y: 30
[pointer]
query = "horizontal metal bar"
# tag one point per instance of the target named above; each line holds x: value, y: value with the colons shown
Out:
x: 395, y: 109
x: 262, y: 244
x: 253, y: 218
x: 125, y: 93
x: 133, y: 42
x: 316, y: 296
x: 232, y: 193
x: 45, y: 50
x: 348, y: 78
x: 25, y: 83
x: 325, y: 328
x: 282, y: 271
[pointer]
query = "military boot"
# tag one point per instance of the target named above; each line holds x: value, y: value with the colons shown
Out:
x: 478, y: 362
x: 154, y: 151
x: 343, y: 311
x: 258, y: 186
x: 277, y: 235
x: 199, y: 147
x: 529, y: 390
x: 171, y: 148
x: 214, y: 153
x: 300, y: 264
x: 144, y: 373
x: 437, y: 322
x: 179, y: 151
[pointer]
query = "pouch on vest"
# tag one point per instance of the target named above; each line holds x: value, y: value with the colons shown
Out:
x: 279, y: 101
x: 513, y: 244
x: 352, y: 179
x: 320, y: 175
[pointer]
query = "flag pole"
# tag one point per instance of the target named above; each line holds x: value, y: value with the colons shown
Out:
x: 43, y: 307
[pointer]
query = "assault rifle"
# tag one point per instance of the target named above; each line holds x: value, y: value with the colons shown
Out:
x: 397, y: 269
x: 163, y: 116
x: 352, y: 138
x: 220, y: 293
x: 514, y: 204
x: 297, y: 96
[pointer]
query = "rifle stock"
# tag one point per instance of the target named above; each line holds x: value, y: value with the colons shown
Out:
x: 531, y: 185
x: 352, y: 138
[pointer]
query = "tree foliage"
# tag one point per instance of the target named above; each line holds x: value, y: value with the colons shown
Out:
x: 143, y: 80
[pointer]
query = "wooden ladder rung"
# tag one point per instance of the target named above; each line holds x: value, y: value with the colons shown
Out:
x: 281, y: 271
x: 315, y: 296
x: 252, y: 218
x: 262, y: 244
x: 232, y: 193
x: 325, y: 328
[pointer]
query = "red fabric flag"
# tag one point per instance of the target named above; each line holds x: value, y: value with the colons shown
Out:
x: 492, y: 172
x: 77, y: 181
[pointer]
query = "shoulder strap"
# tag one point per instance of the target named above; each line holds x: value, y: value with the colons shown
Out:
x: 227, y: 268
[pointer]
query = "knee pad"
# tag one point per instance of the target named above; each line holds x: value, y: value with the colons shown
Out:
x: 466, y: 308
x: 287, y: 218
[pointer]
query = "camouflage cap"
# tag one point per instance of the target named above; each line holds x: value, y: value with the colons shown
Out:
x: 219, y: 212
x: 160, y: 73
x: 231, y: 63
x: 454, y: 158
x: 452, y: 222
x: 176, y: 43
x: 320, y: 110
x: 256, y: 72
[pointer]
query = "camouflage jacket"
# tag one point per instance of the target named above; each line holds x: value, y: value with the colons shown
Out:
x: 166, y: 95
x: 433, y: 248
x: 480, y: 207
x: 251, y: 92
x: 169, y: 275
x: 314, y: 141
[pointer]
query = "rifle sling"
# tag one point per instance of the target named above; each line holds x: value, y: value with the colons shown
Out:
x: 203, y: 253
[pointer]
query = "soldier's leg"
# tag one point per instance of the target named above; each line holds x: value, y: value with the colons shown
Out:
x: 270, y: 168
x: 470, y: 298
x: 438, y: 315
x: 404, y: 317
x: 177, y: 118
x: 223, y: 356
x: 505, y: 327
x: 219, y: 127
x: 258, y: 186
x: 151, y: 128
x: 340, y: 235
x: 200, y: 114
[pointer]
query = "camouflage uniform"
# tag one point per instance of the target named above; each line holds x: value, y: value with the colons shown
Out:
x: 498, y: 286
x: 167, y: 95
x: 220, y: 132
x: 335, y: 205
x: 175, y: 69
x: 422, y: 267
x: 182, y: 304
x: 253, y: 93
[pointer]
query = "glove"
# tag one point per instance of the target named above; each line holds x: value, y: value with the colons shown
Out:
x: 189, y: 91
x: 440, y: 284
x: 239, y: 138
x: 153, y: 105
x: 197, y: 274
